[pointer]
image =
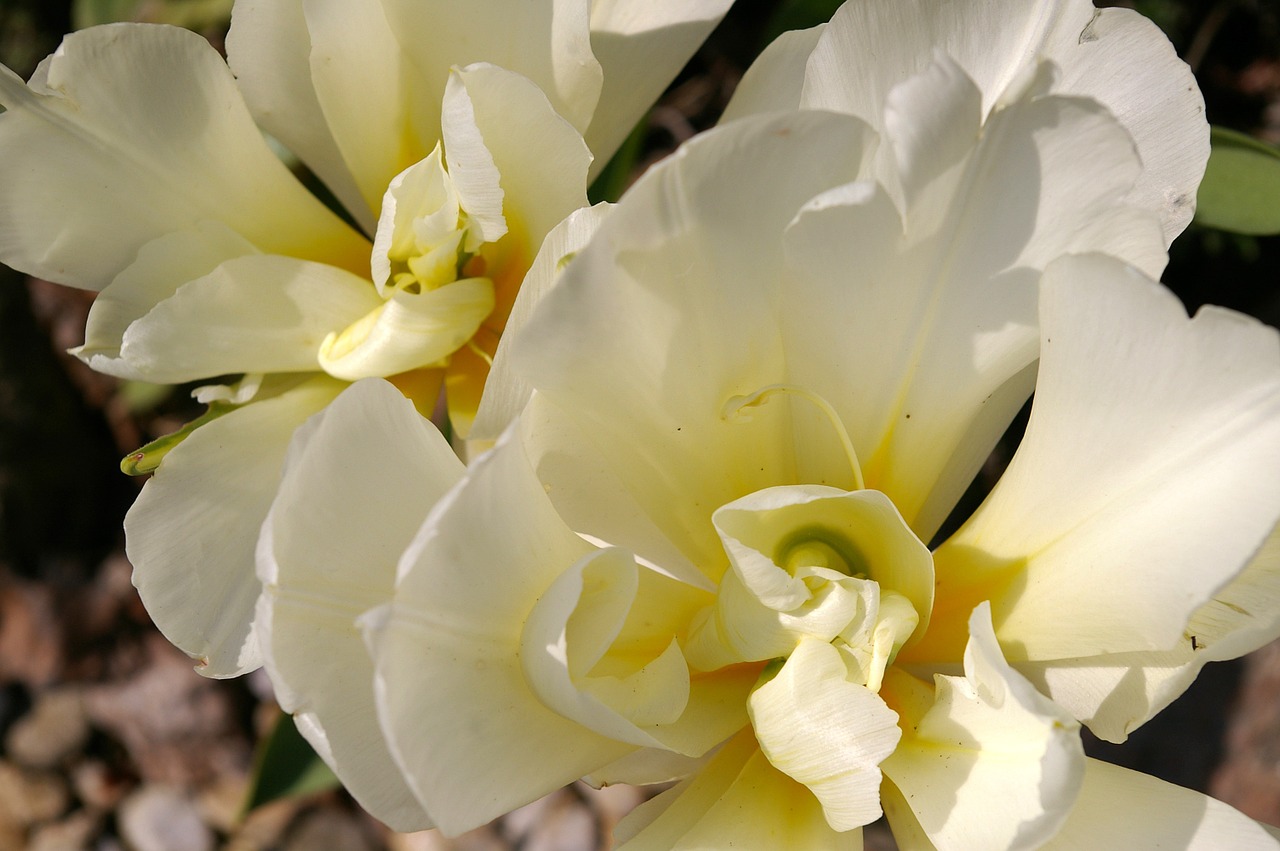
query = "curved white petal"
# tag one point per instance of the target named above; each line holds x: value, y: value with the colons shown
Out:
x: 269, y: 49
x: 641, y: 45
x: 448, y: 651
x: 162, y: 266
x: 824, y: 731
x: 674, y: 302
x: 1119, y: 808
x: 1113, y: 56
x: 130, y: 132
x: 985, y: 761
x: 738, y: 800
x: 775, y: 80
x: 259, y: 313
x: 408, y: 331
x: 357, y: 75
x: 505, y: 393
x: 1134, y: 497
x: 548, y: 42
x: 928, y: 358
x: 1114, y: 694
x: 497, y: 119
x: 191, y: 533
x: 359, y: 479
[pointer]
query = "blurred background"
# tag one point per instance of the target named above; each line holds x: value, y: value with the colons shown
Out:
x: 109, y: 740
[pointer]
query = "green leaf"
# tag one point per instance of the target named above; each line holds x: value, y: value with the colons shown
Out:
x: 1241, y: 187
x: 287, y: 767
x: 142, y: 461
x: 799, y: 15
x: 615, y: 176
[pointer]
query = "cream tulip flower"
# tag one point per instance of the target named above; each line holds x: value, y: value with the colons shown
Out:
x: 701, y: 552
x: 710, y: 519
x: 455, y: 137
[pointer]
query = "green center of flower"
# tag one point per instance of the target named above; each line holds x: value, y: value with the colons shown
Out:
x: 816, y: 546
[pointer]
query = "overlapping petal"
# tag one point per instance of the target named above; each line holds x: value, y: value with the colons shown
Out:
x: 652, y: 387
x: 1142, y: 529
x: 329, y: 554
x: 1114, y: 56
x: 447, y: 649
x: 200, y: 509
x: 1127, y: 809
x: 641, y: 45
x: 985, y: 760
x: 130, y: 132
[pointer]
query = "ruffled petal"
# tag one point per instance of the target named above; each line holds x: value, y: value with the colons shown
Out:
x: 541, y: 160
x: 505, y: 393
x: 408, y: 331
x: 550, y: 43
x: 824, y: 731
x: 448, y: 650
x: 359, y: 479
x: 738, y: 800
x: 1119, y: 808
x: 985, y: 761
x: 192, y: 531
x: 130, y: 132
x: 357, y: 75
x: 641, y: 45
x: 162, y: 266
x: 932, y: 355
x: 1116, y: 57
x: 269, y: 49
x: 1134, y: 498
x: 259, y: 313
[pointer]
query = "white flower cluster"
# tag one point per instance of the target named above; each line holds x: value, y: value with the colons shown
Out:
x: 703, y: 440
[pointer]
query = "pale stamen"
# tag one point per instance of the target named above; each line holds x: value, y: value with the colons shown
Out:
x: 735, y: 406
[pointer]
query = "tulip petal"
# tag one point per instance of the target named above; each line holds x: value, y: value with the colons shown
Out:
x: 1119, y: 808
x: 939, y: 332
x: 358, y: 82
x: 192, y: 531
x: 641, y: 46
x: 448, y: 650
x: 826, y: 732
x: 360, y: 477
x: 1124, y: 546
x: 130, y: 132
x: 986, y: 761
x: 667, y: 350
x: 269, y: 49
x: 162, y: 266
x: 260, y: 313
x: 547, y: 42
x: 1116, y: 693
x: 1114, y: 56
x: 537, y: 176
x: 408, y: 331
x: 738, y: 800
x: 505, y: 393
x: 775, y: 80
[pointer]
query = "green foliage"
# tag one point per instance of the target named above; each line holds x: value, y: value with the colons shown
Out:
x: 615, y: 176
x: 193, y: 14
x: 1241, y: 188
x: 287, y: 767
x: 142, y: 461
x: 799, y: 15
